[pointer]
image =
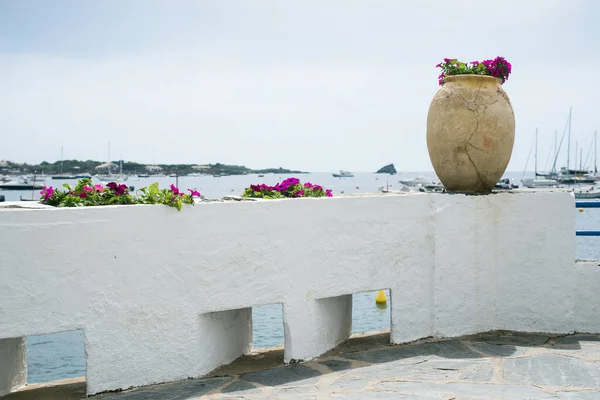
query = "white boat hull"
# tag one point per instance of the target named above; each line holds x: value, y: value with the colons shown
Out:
x: 111, y: 178
x: 533, y: 183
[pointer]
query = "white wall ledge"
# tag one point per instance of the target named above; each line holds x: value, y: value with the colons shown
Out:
x: 164, y: 295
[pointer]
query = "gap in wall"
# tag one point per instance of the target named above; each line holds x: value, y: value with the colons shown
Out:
x: 367, y: 315
x: 55, y: 356
x: 267, y: 326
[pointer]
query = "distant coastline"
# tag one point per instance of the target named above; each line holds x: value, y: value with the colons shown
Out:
x: 134, y: 168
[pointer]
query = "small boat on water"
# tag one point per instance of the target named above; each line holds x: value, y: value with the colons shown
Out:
x: 23, y: 184
x: 591, y: 193
x: 111, y: 178
x: 35, y: 178
x: 432, y: 188
x: 539, y: 182
x: 343, y: 174
x: 25, y: 199
x: 416, y: 182
x: 505, y: 184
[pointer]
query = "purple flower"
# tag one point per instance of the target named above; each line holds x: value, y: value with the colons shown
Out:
x: 328, y: 193
x: 83, y: 195
x: 47, y: 192
x: 112, y: 185
x: 293, y: 181
x: 174, y: 189
x: 309, y: 185
x: 120, y: 190
x: 299, y: 193
x: 194, y: 193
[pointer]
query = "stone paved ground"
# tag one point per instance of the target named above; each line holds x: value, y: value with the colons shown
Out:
x: 490, y: 366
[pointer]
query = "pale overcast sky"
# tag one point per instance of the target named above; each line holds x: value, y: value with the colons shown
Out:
x: 312, y: 85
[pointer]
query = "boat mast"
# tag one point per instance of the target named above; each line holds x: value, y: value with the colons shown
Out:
x: 61, y: 159
x: 555, y: 152
x: 595, y: 152
x: 569, y: 144
x: 576, y: 146
x: 535, y: 155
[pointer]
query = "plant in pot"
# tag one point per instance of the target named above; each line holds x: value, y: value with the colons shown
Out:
x: 471, y: 125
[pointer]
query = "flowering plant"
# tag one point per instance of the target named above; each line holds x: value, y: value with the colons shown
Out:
x: 290, y: 187
x: 498, y: 68
x: 87, y: 194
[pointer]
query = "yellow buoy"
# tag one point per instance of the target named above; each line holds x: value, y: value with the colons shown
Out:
x: 381, y: 298
x: 581, y: 210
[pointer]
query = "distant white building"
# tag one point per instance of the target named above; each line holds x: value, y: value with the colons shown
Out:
x: 153, y: 168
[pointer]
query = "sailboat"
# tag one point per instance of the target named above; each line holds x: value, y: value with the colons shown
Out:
x: 596, y: 176
x: 119, y: 178
x: 61, y: 175
x: 593, y: 192
x: 110, y: 177
x: 539, y: 180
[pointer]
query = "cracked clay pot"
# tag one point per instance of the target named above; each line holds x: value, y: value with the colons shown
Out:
x: 470, y: 133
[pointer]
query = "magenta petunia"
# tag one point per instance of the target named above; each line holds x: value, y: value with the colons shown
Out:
x: 47, y: 192
x: 498, y: 67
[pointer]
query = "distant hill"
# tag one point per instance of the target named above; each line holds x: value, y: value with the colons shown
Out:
x: 129, y: 167
x: 388, y: 169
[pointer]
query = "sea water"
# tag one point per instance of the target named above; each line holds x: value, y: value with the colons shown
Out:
x: 61, y: 355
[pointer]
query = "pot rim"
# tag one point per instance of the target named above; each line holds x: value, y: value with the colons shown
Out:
x: 460, y: 77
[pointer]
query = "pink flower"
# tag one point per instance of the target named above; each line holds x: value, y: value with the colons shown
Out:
x: 99, y: 188
x: 194, y: 193
x: 88, y: 189
x: 174, y: 189
x: 47, y: 192
x: 328, y: 193
x: 83, y: 195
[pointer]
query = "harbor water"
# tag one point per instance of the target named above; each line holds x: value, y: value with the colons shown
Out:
x: 61, y: 355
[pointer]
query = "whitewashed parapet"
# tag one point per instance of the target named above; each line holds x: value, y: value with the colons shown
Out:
x: 164, y: 295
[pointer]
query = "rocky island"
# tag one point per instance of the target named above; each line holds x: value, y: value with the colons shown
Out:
x: 388, y: 169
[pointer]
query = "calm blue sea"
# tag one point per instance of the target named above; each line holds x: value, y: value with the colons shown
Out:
x: 60, y: 356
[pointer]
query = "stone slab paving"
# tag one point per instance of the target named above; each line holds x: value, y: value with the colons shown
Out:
x: 491, y: 366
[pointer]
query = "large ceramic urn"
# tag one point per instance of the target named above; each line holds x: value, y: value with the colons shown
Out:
x: 470, y: 133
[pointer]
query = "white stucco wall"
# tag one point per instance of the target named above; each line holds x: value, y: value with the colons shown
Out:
x: 164, y: 295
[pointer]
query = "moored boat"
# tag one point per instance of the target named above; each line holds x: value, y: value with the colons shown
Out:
x: 343, y: 174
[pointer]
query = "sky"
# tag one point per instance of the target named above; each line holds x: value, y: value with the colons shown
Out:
x: 311, y: 85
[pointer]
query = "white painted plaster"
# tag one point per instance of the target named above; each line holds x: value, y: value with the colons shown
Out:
x: 13, y: 364
x: 164, y: 295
